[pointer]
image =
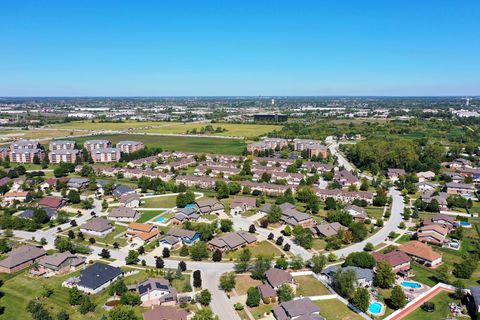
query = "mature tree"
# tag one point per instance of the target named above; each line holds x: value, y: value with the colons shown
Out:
x: 217, y: 255
x: 199, y: 251
x: 197, y: 279
x: 204, y: 297
x: 105, y: 253
x: 384, y: 276
x: 122, y: 313
x: 344, y: 282
x: 227, y: 281
x: 318, y: 262
x: 165, y: 252
x: 159, y: 263
x: 130, y: 299
x: 222, y: 190
x: 465, y: 269
x: 87, y: 305
x: 397, y: 298
x: 74, y: 196
x: 361, y: 299
x: 252, y: 228
x: 226, y: 225
x: 360, y: 259
x: 274, y: 214
x: 260, y: 266
x: 63, y: 315
x: 253, y: 297
x: 297, y: 263
x: 359, y: 231
x: 285, y: 293
x: 304, y: 237
x: 117, y: 288
x: 132, y: 257
x: 281, y: 263
x: 205, y: 314
x: 183, y: 266
x: 243, y: 260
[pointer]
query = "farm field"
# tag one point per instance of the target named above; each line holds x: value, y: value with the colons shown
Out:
x: 89, y: 125
x: 167, y: 143
x: 237, y: 130
x: 33, y: 134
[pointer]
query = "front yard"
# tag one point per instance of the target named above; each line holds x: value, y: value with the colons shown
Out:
x: 309, y: 286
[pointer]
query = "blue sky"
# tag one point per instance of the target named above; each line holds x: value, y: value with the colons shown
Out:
x: 166, y: 48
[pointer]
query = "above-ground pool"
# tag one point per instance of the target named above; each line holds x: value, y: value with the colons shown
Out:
x: 411, y: 284
x: 375, y: 308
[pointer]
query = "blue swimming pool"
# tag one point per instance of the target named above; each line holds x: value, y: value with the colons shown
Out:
x: 161, y: 219
x: 464, y: 224
x: 411, y: 284
x: 190, y: 206
x: 375, y: 308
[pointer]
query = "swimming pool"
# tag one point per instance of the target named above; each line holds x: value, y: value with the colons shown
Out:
x: 190, y: 206
x: 411, y: 284
x: 464, y: 224
x: 160, y: 219
x: 375, y: 308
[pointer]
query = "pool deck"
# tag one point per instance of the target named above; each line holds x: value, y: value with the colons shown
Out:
x: 417, y: 302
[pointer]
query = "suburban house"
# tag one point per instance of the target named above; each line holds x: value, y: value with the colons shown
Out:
x: 444, y: 220
x: 28, y: 213
x: 97, y: 277
x: 276, y: 277
x: 62, y: 262
x: 165, y: 313
x: 398, y: 260
x: 186, y: 214
x: 97, y: 227
x: 267, y: 293
x: 459, y: 188
x: 241, y: 204
x: 441, y: 198
x: 344, y: 196
x: 425, y: 186
x: 21, y: 258
x: 358, y: 213
x: 209, y: 206
x: 20, y: 196
x: 123, y: 214
x: 421, y: 252
x: 232, y: 241
x: 460, y: 163
x: 131, y: 200
x: 182, y: 235
x: 363, y: 276
x: 130, y: 146
x: 395, y: 174
x: 269, y: 189
x: 122, y: 190
x: 302, y: 309
x: 141, y: 232
x: 143, y: 161
x: 432, y: 233
x: 52, y: 202
x: 455, y: 176
x: 327, y: 229
x: 155, y: 292
x: 77, y: 183
x: 291, y: 216
x: 425, y: 175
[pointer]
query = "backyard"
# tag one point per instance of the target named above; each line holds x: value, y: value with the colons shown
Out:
x: 334, y: 309
x: 442, y: 310
x: 309, y: 286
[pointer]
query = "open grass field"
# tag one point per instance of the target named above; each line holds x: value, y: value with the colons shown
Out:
x: 10, y: 135
x: 309, y: 286
x: 442, y: 311
x: 160, y: 202
x: 263, y: 248
x: 333, y: 309
x: 236, y: 130
x: 89, y: 125
x: 188, y: 144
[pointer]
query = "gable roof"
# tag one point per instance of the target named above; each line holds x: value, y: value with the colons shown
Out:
x: 165, y: 313
x: 277, y: 277
x: 98, y: 274
x: 98, y: 225
x: 123, y: 212
x: 52, y: 202
x: 295, y: 308
x: 21, y: 255
x: 58, y: 258
x: 393, y: 258
x: 233, y: 240
x: 181, y: 233
x: 419, y: 249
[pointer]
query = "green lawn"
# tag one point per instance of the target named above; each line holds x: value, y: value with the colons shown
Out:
x: 260, y: 311
x: 442, y: 311
x: 149, y: 214
x: 309, y: 286
x: 334, y: 309
x: 375, y: 212
x: 264, y: 248
x: 89, y: 125
x: 244, y: 282
x: 188, y: 144
x: 160, y: 202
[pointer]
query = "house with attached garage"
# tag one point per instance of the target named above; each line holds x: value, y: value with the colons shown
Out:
x: 459, y: 188
x: 301, y: 309
x: 28, y: 214
x: 21, y: 258
x: 184, y: 236
x: 155, y: 292
x: 327, y: 229
x: 21, y: 196
x: 232, y: 241
x: 142, y: 233
x: 185, y: 214
x: 62, y: 262
x: 77, y: 183
x: 241, y: 204
x: 358, y: 213
x: 131, y: 200
x: 52, y: 202
x: 363, y: 276
x: 421, y: 252
x: 398, y: 260
x: 97, y: 277
x: 122, y: 190
x: 209, y: 206
x: 97, y: 227
x: 291, y: 216
x: 123, y: 214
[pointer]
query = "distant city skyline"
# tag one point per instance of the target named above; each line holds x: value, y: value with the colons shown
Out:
x: 239, y: 49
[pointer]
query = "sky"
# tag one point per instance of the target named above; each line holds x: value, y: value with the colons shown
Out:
x: 239, y: 48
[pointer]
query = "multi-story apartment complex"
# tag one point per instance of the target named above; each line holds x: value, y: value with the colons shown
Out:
x: 91, y: 145
x: 130, y: 146
x: 24, y: 144
x: 314, y: 148
x: 61, y: 145
x: 106, y: 155
x: 267, y: 144
x: 26, y: 155
x: 64, y: 155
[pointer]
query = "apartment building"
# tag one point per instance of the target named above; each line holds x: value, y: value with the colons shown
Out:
x: 26, y: 155
x: 314, y: 148
x: 91, y: 145
x: 64, y: 155
x: 61, y: 145
x: 130, y: 146
x: 106, y: 155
